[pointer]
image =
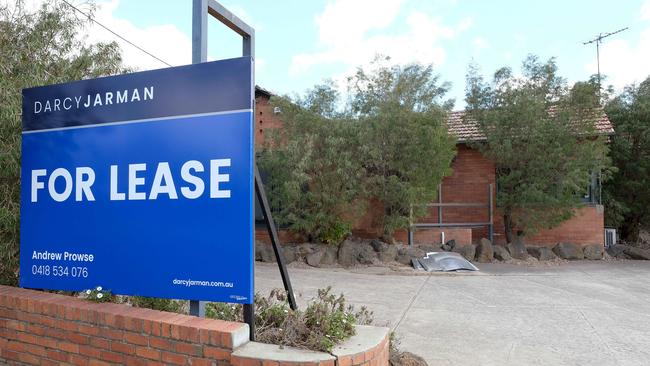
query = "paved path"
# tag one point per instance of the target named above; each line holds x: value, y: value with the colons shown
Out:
x: 580, y: 313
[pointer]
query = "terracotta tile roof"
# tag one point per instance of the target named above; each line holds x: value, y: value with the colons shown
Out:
x: 466, y: 129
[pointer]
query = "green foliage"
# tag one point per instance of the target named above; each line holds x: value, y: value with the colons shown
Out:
x: 628, y: 192
x: 326, y: 321
x: 225, y: 311
x: 386, y: 142
x: 541, y: 136
x: 98, y: 294
x: 328, y: 314
x: 405, y: 148
x: 335, y: 233
x: 314, y: 170
x: 38, y: 48
x: 172, y: 306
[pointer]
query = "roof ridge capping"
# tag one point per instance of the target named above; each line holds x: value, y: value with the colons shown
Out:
x: 259, y: 90
x: 467, y: 129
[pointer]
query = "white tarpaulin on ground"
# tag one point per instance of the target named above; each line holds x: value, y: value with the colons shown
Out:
x: 443, y: 262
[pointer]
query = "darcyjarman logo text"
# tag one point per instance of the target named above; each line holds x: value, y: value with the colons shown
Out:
x: 134, y: 95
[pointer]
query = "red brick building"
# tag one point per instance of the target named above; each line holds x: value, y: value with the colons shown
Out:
x: 463, y: 208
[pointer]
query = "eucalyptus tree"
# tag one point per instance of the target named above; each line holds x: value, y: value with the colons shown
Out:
x: 628, y: 192
x: 406, y: 150
x: 36, y: 48
x: 385, y: 142
x: 312, y: 166
x: 541, y: 135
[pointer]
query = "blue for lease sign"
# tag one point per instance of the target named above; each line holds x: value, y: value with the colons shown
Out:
x: 141, y: 183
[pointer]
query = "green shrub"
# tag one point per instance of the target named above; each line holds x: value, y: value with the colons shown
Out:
x: 325, y: 322
x: 224, y: 311
x: 172, y: 306
x: 329, y: 320
x: 314, y: 175
x: 335, y: 233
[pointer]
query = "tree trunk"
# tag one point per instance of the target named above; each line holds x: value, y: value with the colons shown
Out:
x: 507, y: 226
x: 630, y: 229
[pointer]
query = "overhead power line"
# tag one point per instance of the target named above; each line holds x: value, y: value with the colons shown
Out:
x: 115, y: 33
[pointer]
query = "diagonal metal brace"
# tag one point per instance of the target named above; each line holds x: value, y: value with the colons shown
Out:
x: 275, y: 240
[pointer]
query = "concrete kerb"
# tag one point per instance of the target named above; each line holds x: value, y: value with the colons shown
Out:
x: 273, y: 352
x: 240, y: 336
x: 368, y: 344
x: 367, y: 338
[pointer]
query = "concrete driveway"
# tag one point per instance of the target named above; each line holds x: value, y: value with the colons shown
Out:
x: 578, y: 313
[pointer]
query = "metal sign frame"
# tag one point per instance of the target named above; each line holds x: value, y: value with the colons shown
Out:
x: 200, y: 11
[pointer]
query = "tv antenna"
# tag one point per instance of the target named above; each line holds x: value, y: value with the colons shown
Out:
x: 598, y: 40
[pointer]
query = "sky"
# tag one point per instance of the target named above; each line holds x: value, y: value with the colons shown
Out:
x: 300, y: 43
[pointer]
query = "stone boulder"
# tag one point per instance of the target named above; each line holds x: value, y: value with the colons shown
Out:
x: 448, y: 246
x: 304, y: 250
x: 636, y: 253
x: 378, y: 245
x: 593, y: 252
x: 623, y: 251
x: 618, y: 251
x: 314, y: 258
x: 351, y: 253
x: 348, y: 251
x: 324, y: 255
x: 484, y: 251
x: 264, y: 252
x: 468, y: 251
x: 501, y: 253
x: 366, y: 254
x: 289, y: 253
x: 517, y: 250
x: 330, y: 257
x: 385, y: 252
x: 568, y: 251
x: 541, y: 253
x: 406, y: 252
x: 388, y: 254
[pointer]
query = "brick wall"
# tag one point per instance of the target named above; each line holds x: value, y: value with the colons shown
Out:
x: 369, y: 225
x: 378, y: 354
x: 433, y: 235
x: 587, y: 227
x: 469, y: 183
x: 472, y: 174
x: 264, y: 117
x: 38, y: 328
